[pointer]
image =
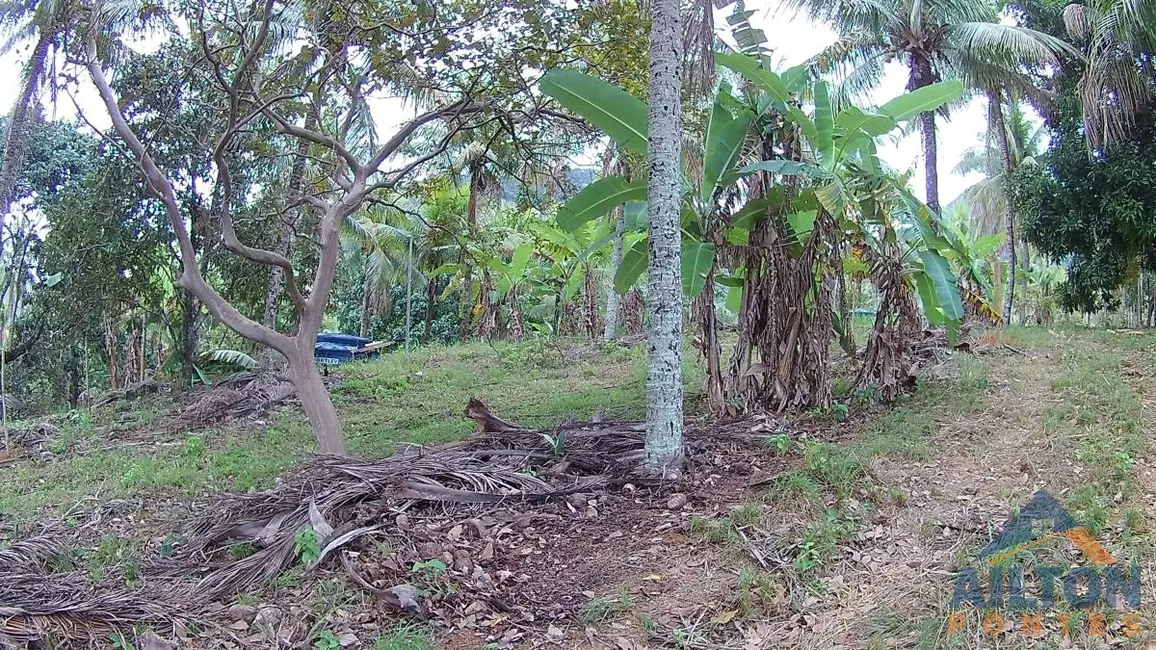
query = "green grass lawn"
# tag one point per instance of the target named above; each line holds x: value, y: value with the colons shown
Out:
x: 417, y: 397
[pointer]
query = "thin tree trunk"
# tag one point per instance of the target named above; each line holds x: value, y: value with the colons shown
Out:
x: 475, y: 191
x: 285, y: 238
x: 612, y: 298
x: 315, y: 399
x: 110, y: 349
x: 590, y: 306
x: 664, y: 407
x: 431, y: 296
x: 930, y: 160
x: 920, y: 76
x: 366, y: 308
x: 995, y: 117
x: 190, y: 335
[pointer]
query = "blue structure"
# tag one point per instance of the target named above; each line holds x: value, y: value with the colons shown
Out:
x: 335, y: 348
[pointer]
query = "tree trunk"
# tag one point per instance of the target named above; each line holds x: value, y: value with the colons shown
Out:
x: 488, y: 323
x: 366, y: 309
x: 708, y: 324
x: 475, y: 191
x: 19, y: 126
x: 190, y: 335
x: 664, y: 444
x: 294, y: 187
x: 996, y: 121
x: 632, y: 308
x: 111, y: 346
x: 517, y: 325
x: 591, y: 317
x: 315, y: 400
x: 610, y: 330
x: 920, y: 76
x: 431, y: 296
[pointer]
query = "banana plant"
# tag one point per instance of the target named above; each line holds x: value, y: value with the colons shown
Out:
x: 840, y: 164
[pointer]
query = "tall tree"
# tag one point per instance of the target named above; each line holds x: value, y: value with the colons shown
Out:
x: 664, y: 393
x: 933, y: 40
x: 254, y: 80
x: 42, y: 22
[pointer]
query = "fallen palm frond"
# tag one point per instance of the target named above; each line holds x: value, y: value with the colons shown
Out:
x: 29, y: 556
x: 32, y: 605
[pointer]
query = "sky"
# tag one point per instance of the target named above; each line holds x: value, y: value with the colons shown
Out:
x: 794, y: 38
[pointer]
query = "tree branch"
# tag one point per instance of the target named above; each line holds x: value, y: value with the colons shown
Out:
x: 191, y: 277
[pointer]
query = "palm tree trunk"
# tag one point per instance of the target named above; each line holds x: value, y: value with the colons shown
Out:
x: 920, y: 76
x: 664, y: 444
x: 19, y: 128
x: 613, y: 300
x: 995, y: 117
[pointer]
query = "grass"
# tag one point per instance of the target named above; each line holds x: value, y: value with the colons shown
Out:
x: 405, y: 637
x: 607, y: 607
x: 415, y: 397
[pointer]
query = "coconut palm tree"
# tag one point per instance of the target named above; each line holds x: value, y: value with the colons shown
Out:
x: 1117, y: 87
x: 42, y: 22
x: 933, y: 39
x: 985, y: 201
x: 1016, y: 141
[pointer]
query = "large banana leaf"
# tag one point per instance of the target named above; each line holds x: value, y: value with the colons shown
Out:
x: 783, y: 167
x: 633, y: 264
x: 938, y: 270
x: 598, y: 198
x: 622, y: 116
x: 852, y: 119
x: 922, y: 100
x: 724, y: 143
x: 697, y: 261
x: 750, y: 68
x: 824, y: 142
x: 797, y: 116
x: 747, y: 215
x: 928, y: 299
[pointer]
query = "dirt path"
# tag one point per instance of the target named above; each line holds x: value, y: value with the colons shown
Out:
x: 1069, y: 415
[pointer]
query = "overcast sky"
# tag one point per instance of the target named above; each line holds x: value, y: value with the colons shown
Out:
x: 794, y: 39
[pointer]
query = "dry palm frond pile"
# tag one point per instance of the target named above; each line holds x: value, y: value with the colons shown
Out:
x: 35, y: 603
x: 469, y: 533
x: 244, y: 394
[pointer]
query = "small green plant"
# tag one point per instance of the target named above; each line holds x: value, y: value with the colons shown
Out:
x: 841, y: 412
x: 430, y: 569
x: 308, y: 546
x: 781, y: 443
x: 756, y: 587
x: 242, y: 550
x: 119, y: 642
x: 557, y: 443
x: 748, y: 514
x: 327, y: 641
x: 717, y: 531
x: 195, y: 447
